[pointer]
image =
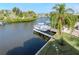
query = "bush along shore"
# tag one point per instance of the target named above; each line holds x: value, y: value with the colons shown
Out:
x: 16, y: 15
x: 18, y: 20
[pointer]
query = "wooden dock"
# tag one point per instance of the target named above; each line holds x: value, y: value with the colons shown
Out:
x: 42, y: 33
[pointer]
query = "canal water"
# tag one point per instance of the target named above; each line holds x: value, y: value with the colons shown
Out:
x: 18, y: 39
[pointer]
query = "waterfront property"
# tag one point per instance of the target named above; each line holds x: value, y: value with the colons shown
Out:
x: 38, y: 30
x: 70, y: 40
x: 53, y: 47
x: 66, y: 39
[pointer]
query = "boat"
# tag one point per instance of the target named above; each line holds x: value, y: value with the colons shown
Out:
x: 2, y: 23
x: 42, y: 27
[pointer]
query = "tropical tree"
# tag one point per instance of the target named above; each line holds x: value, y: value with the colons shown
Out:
x: 16, y: 10
x: 30, y: 14
x: 62, y: 16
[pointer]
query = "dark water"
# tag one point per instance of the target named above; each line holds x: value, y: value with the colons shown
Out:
x: 18, y: 39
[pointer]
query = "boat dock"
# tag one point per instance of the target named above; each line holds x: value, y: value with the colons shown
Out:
x: 41, y: 32
x: 46, y: 35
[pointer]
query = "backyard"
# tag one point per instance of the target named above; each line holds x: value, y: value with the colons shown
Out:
x: 71, y: 46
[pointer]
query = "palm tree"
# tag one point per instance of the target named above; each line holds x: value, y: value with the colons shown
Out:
x: 30, y: 14
x: 16, y: 10
x: 61, y: 17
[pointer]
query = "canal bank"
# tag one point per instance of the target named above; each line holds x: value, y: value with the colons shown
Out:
x: 46, y: 35
x: 39, y: 51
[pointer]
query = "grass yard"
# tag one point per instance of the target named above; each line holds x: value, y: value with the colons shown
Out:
x: 71, y: 46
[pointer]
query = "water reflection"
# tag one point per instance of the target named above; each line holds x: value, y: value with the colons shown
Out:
x: 30, y: 47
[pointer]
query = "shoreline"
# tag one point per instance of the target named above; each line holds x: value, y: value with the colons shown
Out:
x: 17, y: 21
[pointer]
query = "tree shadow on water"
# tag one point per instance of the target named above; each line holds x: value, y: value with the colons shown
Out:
x: 30, y: 47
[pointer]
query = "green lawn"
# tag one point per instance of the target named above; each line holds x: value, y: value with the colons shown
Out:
x: 71, y: 46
